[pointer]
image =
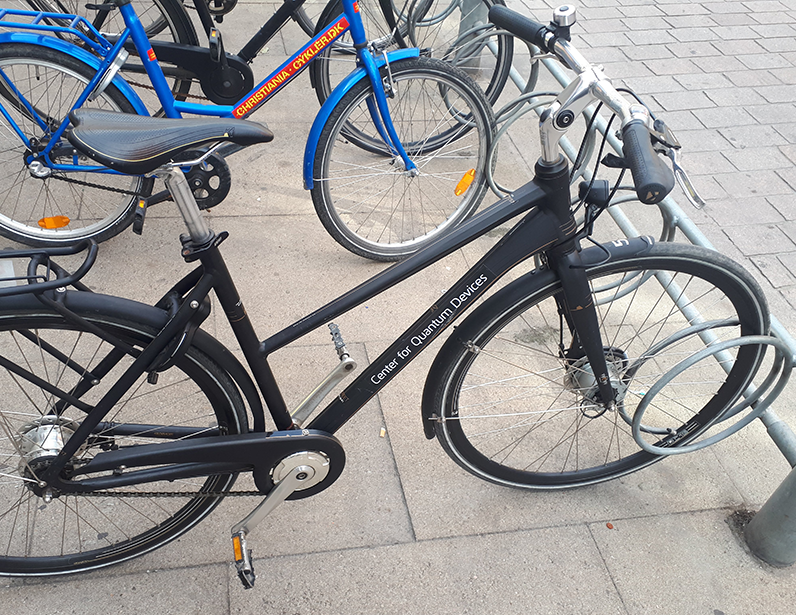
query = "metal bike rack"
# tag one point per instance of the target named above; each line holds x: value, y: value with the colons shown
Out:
x: 771, y: 534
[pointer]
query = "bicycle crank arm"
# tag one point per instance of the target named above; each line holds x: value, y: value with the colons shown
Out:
x: 295, y: 473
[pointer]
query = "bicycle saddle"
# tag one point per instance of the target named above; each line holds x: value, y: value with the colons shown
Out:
x: 136, y: 144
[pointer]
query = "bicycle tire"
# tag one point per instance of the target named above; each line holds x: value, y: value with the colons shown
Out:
x: 427, y: 27
x: 165, y: 20
x: 376, y: 209
x: 74, y: 533
x: 52, y: 81
x: 304, y: 20
x: 507, y: 354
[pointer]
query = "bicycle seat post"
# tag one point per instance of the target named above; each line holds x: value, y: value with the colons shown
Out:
x: 178, y: 186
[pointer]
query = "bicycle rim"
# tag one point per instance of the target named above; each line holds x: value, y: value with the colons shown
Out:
x: 516, y: 412
x: 74, y: 533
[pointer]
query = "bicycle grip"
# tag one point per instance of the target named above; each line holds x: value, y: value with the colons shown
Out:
x: 652, y: 178
x: 519, y: 25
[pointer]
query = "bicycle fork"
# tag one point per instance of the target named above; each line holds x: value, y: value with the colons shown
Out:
x: 576, y: 305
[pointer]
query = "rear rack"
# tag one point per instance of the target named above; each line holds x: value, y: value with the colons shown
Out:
x: 54, y: 276
x: 56, y: 23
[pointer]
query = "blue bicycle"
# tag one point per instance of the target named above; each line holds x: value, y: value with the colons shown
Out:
x: 395, y: 157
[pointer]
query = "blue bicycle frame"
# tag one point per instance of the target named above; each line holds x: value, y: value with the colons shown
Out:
x: 107, y: 66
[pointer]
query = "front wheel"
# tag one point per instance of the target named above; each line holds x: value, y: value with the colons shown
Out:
x: 511, y: 409
x: 365, y: 197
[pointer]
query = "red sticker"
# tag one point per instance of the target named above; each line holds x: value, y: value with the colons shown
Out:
x: 356, y: 7
x: 151, y: 54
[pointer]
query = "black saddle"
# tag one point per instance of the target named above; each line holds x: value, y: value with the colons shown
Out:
x: 137, y: 144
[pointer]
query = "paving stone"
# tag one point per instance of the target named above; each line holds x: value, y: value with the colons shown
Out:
x: 734, y: 32
x: 694, y: 50
x: 702, y: 81
x: 704, y: 140
x: 725, y: 117
x: 753, y: 136
x: 732, y: 97
x: 685, y: 35
x: 739, y: 46
x: 603, y: 55
x: 728, y: 586
x: 719, y: 64
x: 780, y: 113
x: 754, y: 78
x: 770, y: 60
x: 735, y: 211
x: 684, y: 8
x: 588, y: 13
x: 757, y: 158
x: 778, y: 93
x: 673, y: 101
x: 647, y: 52
x: 754, y: 240
x: 646, y: 23
x: 655, y: 83
x: 640, y: 10
x: 733, y: 19
x: 788, y: 261
x: 605, y: 39
x: 759, y: 183
x: 725, y: 7
x: 649, y: 37
x: 778, y: 44
x: 775, y: 271
x: 691, y: 21
x: 674, y: 66
x: 785, y: 204
x: 788, y: 131
x: 765, y: 5
x: 706, y: 163
x: 774, y: 31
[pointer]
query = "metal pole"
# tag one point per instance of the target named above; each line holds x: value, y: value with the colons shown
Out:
x: 771, y: 534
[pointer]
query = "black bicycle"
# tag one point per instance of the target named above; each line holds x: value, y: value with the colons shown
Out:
x: 593, y: 365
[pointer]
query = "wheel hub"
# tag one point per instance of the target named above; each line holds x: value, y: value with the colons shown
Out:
x: 40, y: 441
x: 581, y: 379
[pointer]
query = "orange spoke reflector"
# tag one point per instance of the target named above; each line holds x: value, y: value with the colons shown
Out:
x: 54, y: 222
x: 464, y: 182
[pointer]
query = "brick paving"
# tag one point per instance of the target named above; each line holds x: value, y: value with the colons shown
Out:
x: 726, y: 71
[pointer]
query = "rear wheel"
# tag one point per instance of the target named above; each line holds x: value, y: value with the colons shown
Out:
x: 73, y: 533
x: 512, y: 409
x: 163, y: 20
x: 51, y: 209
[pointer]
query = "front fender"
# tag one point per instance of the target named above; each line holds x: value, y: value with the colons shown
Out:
x: 93, y: 61
x: 533, y: 282
x: 334, y: 98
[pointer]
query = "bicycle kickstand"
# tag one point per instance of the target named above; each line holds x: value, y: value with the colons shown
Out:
x: 296, y: 479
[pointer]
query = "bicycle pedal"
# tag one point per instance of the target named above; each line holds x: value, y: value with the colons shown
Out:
x: 337, y: 338
x: 140, y: 214
x: 243, y: 560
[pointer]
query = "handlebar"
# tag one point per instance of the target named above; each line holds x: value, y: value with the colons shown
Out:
x: 653, y: 179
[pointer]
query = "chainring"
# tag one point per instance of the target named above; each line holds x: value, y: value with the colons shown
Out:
x: 210, y: 181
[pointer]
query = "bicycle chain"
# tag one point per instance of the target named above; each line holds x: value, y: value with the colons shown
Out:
x: 71, y: 180
x: 168, y: 494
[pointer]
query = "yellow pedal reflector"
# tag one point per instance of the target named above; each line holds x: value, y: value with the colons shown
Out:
x: 54, y: 222
x: 464, y: 182
x: 238, y: 548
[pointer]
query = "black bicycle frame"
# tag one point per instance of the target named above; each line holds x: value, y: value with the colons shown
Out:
x: 548, y: 227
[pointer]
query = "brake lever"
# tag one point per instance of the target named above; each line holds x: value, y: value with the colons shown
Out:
x: 666, y: 143
x: 685, y: 183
